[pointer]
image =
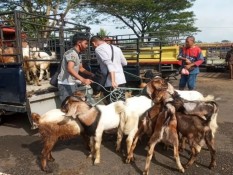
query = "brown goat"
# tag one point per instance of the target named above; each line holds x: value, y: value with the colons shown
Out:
x: 7, y: 51
x: 195, y: 128
x: 51, y: 132
x: 146, y: 125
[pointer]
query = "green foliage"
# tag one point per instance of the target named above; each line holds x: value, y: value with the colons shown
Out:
x: 38, y: 7
x: 143, y: 16
x: 103, y: 33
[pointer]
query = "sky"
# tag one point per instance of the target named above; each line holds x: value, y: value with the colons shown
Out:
x: 213, y: 17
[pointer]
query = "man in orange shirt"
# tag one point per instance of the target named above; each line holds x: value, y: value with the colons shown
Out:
x: 192, y: 58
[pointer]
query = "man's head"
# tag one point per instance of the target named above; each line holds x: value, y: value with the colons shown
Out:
x: 189, y: 42
x: 80, y: 41
x: 96, y: 41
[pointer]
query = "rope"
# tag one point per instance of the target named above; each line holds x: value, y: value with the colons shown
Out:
x: 135, y: 76
x: 116, y: 94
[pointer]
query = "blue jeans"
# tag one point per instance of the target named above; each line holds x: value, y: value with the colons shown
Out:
x: 68, y: 90
x: 190, y: 80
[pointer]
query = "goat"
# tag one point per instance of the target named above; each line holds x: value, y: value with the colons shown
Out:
x: 146, y: 125
x: 7, y: 51
x: 165, y: 130
x: 196, y: 129
x: 207, y: 110
x: 42, y: 65
x: 160, y: 83
x: 51, y: 131
x: 134, y: 107
x: 30, y: 66
x: 95, y: 120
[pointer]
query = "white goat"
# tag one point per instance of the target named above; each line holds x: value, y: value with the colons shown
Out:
x: 95, y: 120
x: 190, y: 95
x: 42, y: 65
x: 134, y: 108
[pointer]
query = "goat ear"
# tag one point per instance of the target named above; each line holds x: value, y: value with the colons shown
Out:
x: 149, y: 89
x: 64, y: 104
x: 72, y: 110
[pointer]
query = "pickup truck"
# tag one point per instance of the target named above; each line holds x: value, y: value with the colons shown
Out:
x: 17, y: 95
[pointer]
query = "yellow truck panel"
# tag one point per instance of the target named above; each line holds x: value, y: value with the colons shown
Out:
x: 150, y: 55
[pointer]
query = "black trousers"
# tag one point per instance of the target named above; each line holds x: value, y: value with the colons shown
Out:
x: 108, y: 99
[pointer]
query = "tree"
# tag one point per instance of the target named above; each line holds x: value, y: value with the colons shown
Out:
x: 143, y: 16
x: 40, y: 7
x: 103, y: 33
x: 225, y: 41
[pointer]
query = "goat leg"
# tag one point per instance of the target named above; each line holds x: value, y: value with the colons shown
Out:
x: 138, y: 134
x: 210, y: 144
x: 47, y: 74
x: 98, y: 139
x: 50, y: 157
x: 92, y: 147
x: 192, y: 158
x: 41, y: 74
x: 48, y: 146
x: 155, y: 138
x: 119, y: 139
x: 176, y: 150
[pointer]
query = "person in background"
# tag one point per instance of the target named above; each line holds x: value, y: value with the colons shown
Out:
x: 69, y: 79
x: 191, y: 57
x: 229, y: 61
x: 113, y: 69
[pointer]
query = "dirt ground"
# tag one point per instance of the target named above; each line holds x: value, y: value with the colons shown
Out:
x: 20, y: 146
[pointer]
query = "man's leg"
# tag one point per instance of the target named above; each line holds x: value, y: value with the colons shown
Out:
x: 183, y: 81
x: 64, y: 91
x: 192, y: 81
x: 106, y: 93
x: 231, y: 70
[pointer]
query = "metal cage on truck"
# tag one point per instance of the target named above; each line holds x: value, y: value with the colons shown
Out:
x: 16, y: 95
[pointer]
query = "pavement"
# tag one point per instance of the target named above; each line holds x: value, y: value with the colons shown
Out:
x: 20, y: 146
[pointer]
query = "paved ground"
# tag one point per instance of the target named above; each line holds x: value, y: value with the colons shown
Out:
x: 20, y: 147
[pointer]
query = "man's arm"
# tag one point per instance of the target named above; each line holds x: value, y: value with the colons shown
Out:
x: 70, y: 69
x: 123, y: 59
x: 83, y: 70
x: 200, y: 60
x: 106, y: 59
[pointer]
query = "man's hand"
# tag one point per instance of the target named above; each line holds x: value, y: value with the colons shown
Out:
x: 187, y: 61
x: 114, y: 85
x: 87, y: 81
x: 181, y: 58
x: 188, y: 66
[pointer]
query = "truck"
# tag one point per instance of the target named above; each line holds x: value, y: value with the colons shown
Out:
x: 16, y: 28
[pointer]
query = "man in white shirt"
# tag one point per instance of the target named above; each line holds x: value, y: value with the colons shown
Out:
x: 111, y: 67
x: 69, y: 78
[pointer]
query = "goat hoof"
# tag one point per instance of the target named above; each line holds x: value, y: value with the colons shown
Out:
x: 130, y: 159
x: 145, y: 173
x: 185, y: 166
x: 46, y: 169
x: 51, y: 159
x: 96, y: 162
x: 89, y: 156
x: 181, y: 170
x: 212, y: 165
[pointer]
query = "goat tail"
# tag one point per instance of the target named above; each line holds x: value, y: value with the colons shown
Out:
x: 209, y: 98
x: 35, y: 118
x: 119, y: 107
x: 213, y: 120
